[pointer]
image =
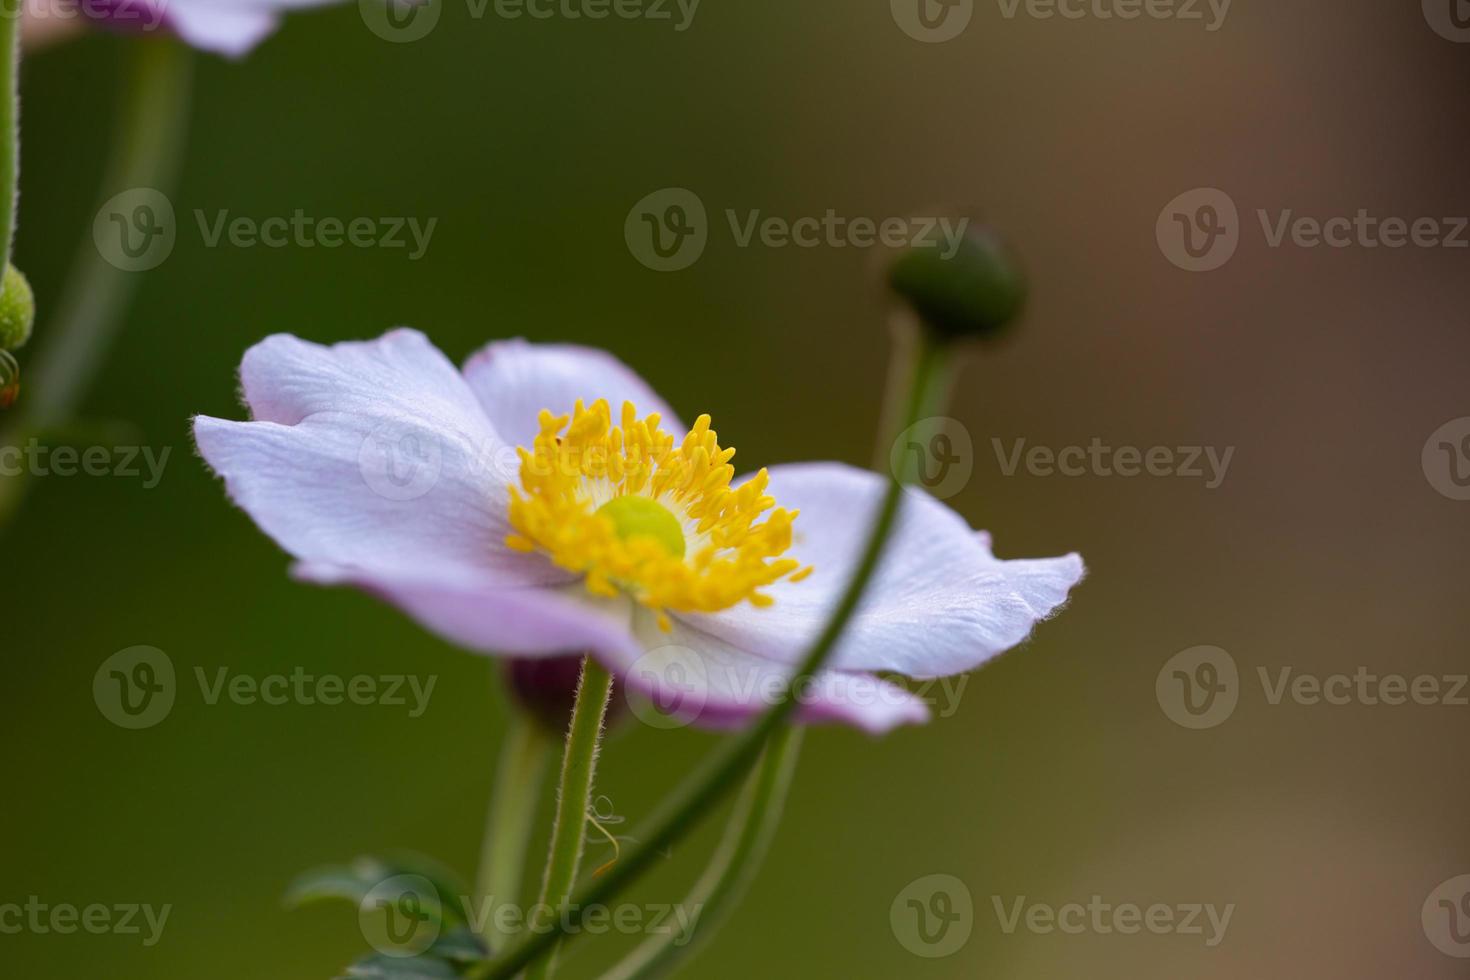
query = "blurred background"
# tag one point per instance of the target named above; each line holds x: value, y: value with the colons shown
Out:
x: 1327, y: 547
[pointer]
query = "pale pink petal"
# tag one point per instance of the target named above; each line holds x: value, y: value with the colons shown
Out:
x: 374, y: 455
x: 697, y: 679
x: 400, y: 374
x: 940, y: 603
x: 229, y: 29
x: 515, y: 380
x: 485, y: 616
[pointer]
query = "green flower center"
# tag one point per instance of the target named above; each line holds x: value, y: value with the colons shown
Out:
x: 634, y: 517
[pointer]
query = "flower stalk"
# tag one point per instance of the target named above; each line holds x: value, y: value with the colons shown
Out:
x: 10, y: 13
x: 574, y: 800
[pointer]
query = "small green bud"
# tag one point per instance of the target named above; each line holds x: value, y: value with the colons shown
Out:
x: 17, y: 309
x: 971, y: 288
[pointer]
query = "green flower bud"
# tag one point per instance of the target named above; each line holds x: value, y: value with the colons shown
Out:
x: 972, y: 287
x: 17, y: 309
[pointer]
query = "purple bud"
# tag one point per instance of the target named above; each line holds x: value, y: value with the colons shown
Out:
x: 546, y: 689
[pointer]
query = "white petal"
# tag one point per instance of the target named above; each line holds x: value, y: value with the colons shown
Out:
x: 229, y: 29
x: 373, y: 455
x: 939, y: 604
x: 514, y: 380
x: 483, y: 615
x: 697, y: 679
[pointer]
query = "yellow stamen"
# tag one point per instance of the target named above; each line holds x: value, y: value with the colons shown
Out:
x: 630, y: 510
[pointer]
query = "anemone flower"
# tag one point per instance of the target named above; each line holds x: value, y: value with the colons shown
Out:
x: 512, y: 509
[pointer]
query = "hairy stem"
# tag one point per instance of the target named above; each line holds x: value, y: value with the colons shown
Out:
x: 578, y: 773
x: 10, y: 11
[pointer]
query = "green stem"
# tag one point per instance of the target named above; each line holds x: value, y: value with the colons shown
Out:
x: 511, y: 818
x: 148, y: 142
x: 578, y: 773
x: 10, y: 11
x: 731, y: 871
x: 691, y: 801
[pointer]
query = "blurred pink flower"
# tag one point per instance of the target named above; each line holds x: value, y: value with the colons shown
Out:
x: 379, y: 465
x: 228, y: 27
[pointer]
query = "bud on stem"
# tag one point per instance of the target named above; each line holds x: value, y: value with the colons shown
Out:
x: 975, y: 292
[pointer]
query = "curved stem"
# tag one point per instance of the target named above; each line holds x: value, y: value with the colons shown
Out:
x: 578, y: 773
x: 147, y: 144
x: 10, y: 12
x: 690, y: 802
x: 511, y: 818
x: 731, y: 871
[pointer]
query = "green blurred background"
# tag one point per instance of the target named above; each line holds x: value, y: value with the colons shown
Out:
x: 1059, y: 777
